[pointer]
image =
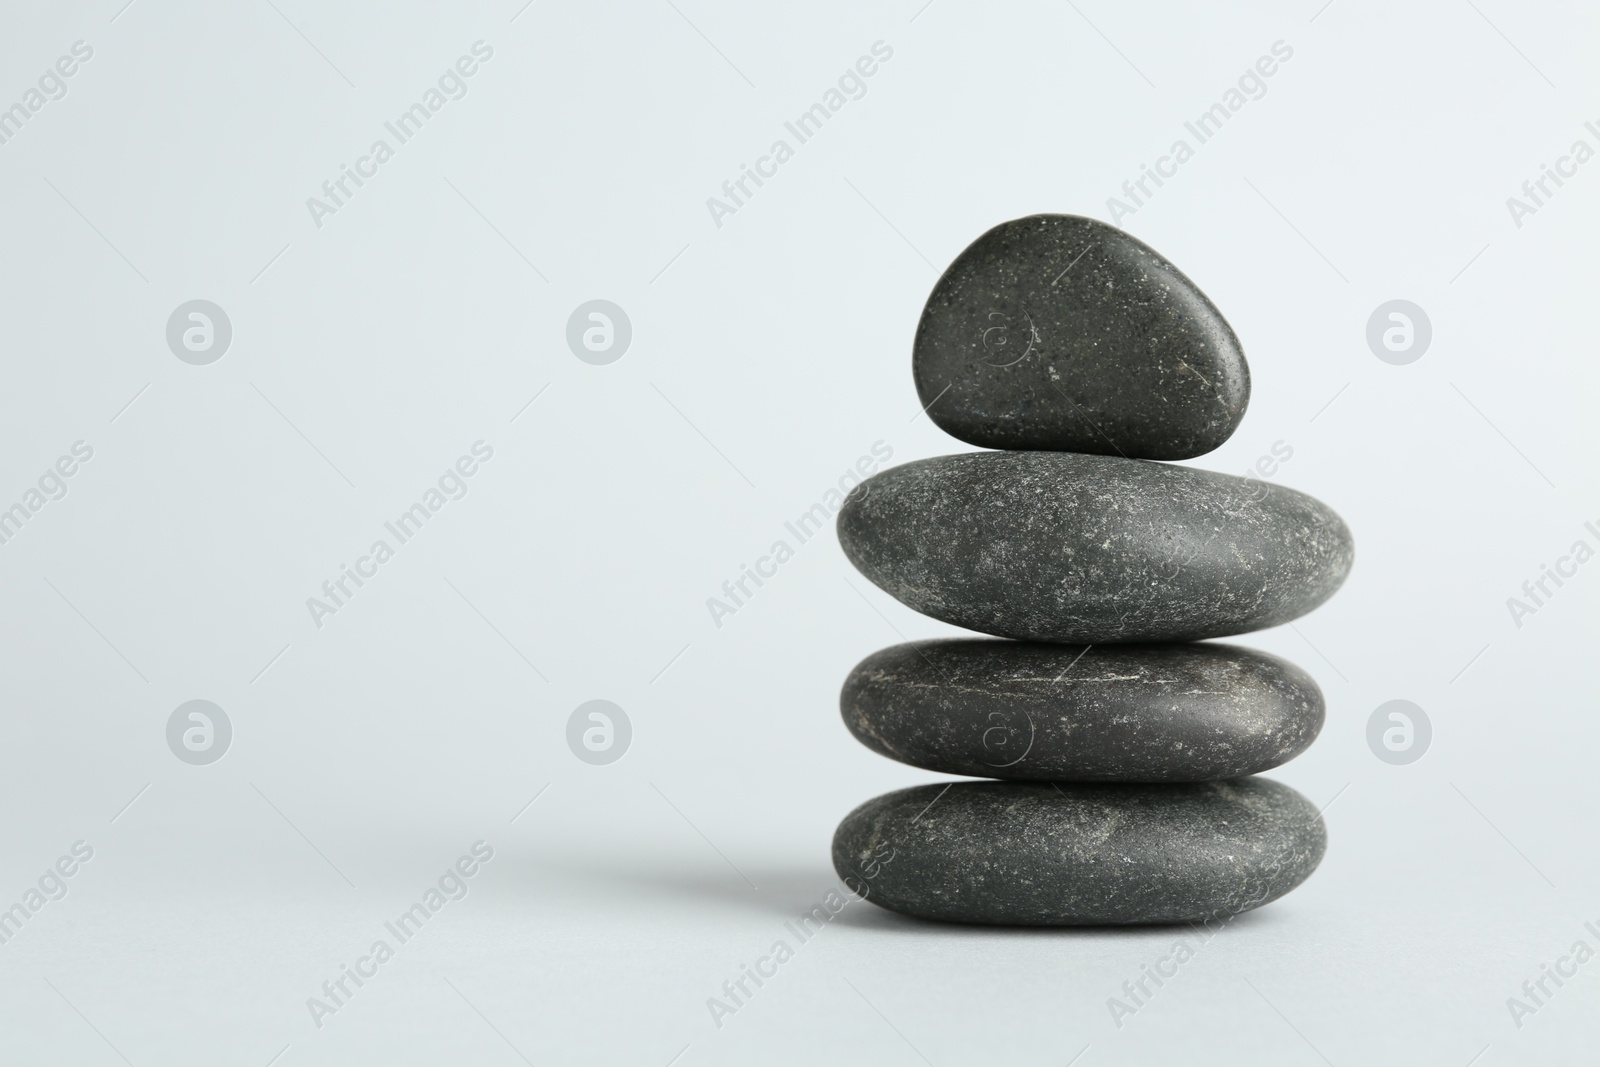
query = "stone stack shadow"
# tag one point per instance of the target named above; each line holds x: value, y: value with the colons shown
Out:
x: 1120, y: 746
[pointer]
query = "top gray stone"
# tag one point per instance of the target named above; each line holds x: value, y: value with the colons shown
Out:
x: 1064, y: 334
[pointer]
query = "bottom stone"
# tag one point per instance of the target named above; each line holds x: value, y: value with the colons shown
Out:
x: 1026, y: 854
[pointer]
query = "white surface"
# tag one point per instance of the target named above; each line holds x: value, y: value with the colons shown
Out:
x: 378, y: 748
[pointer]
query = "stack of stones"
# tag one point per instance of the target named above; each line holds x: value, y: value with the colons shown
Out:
x: 1124, y: 750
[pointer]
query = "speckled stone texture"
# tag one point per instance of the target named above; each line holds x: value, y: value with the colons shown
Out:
x: 1055, y: 546
x: 1024, y: 854
x: 1110, y: 713
x: 1063, y: 333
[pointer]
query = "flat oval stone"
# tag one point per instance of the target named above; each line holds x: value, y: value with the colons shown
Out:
x: 1106, y: 713
x: 1063, y: 333
x: 1055, y: 546
x: 1076, y: 854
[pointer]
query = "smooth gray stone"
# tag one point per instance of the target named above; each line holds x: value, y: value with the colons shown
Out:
x: 1055, y: 546
x: 1063, y: 333
x: 1076, y: 854
x: 1110, y: 713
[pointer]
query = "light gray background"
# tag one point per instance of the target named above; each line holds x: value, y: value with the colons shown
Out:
x: 767, y: 356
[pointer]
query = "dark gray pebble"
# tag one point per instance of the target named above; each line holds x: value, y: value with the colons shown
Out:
x: 1109, y: 713
x: 1027, y: 854
x: 1063, y: 333
x: 1055, y: 546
